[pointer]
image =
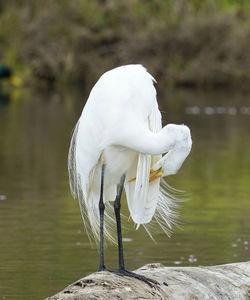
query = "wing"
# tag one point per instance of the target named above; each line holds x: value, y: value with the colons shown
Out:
x: 84, y: 165
x: 142, y: 195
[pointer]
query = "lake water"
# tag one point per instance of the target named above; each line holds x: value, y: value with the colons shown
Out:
x: 43, y: 243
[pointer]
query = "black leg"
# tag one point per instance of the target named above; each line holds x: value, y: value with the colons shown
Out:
x: 122, y: 271
x: 117, y: 207
x: 101, y: 210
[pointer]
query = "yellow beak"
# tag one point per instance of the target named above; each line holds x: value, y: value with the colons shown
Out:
x: 153, y: 175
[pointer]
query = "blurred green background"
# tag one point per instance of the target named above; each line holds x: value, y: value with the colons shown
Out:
x: 197, y: 43
x: 199, y: 52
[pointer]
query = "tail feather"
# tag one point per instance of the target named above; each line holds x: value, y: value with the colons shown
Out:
x: 141, y: 189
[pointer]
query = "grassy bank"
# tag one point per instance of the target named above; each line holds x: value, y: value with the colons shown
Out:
x: 183, y: 43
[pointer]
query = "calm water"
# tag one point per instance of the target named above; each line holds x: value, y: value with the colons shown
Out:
x: 43, y: 244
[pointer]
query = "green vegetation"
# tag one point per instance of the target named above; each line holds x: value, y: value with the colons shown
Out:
x: 190, y: 43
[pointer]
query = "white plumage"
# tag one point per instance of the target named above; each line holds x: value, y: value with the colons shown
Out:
x: 120, y: 126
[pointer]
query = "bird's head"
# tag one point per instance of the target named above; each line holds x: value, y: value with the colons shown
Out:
x: 179, y: 137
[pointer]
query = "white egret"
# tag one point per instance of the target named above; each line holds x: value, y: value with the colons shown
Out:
x: 119, y: 140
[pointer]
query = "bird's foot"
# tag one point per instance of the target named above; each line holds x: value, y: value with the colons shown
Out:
x: 123, y: 272
x: 102, y: 268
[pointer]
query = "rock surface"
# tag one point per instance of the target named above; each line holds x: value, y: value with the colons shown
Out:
x: 230, y: 281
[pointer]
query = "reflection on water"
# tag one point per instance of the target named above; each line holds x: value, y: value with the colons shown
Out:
x: 221, y: 110
x: 43, y: 244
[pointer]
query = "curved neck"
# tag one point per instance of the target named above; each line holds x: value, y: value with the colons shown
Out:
x: 174, y: 139
x: 170, y: 137
x: 147, y: 142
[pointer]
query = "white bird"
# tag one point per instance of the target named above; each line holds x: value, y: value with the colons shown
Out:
x: 119, y: 140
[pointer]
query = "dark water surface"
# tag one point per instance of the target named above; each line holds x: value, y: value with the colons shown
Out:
x: 43, y: 246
